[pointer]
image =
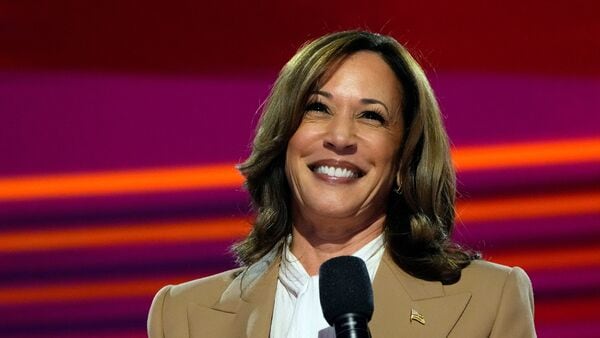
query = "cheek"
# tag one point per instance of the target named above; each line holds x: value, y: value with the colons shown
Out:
x: 290, y: 159
x: 384, y: 155
x: 292, y: 154
x: 294, y: 151
x: 384, y: 147
x: 302, y: 140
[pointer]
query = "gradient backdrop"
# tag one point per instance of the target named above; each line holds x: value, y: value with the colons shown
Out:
x: 120, y: 123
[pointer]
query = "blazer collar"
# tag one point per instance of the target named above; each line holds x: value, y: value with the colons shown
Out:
x: 250, y: 286
x: 245, y: 308
x: 400, y: 298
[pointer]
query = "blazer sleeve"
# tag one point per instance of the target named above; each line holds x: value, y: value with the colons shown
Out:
x: 514, y: 317
x: 155, y: 315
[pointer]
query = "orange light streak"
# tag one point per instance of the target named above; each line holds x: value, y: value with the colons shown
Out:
x: 84, y: 290
x: 529, y: 207
x: 527, y: 154
x: 117, y: 234
x: 120, y: 182
x: 551, y: 258
x: 146, y: 287
x: 223, y: 176
x: 233, y: 228
x: 557, y: 309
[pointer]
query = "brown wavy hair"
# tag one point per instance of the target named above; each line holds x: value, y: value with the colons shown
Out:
x: 420, y: 211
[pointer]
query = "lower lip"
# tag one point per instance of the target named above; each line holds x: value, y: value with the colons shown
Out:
x: 335, y: 180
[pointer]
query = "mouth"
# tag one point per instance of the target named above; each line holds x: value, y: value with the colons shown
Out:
x: 336, y: 169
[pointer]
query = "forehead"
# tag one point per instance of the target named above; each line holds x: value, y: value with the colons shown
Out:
x: 364, y: 74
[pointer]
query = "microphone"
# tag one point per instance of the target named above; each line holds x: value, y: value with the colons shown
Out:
x: 346, y: 296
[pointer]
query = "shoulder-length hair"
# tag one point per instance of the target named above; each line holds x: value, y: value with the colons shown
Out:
x: 420, y: 214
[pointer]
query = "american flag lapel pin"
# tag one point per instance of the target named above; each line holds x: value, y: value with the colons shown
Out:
x: 416, y: 316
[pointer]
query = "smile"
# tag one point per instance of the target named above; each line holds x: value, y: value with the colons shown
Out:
x: 335, y: 172
x: 339, y: 171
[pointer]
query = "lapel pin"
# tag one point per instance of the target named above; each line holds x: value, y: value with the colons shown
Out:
x: 416, y: 316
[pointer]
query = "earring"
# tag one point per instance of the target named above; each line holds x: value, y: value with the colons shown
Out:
x: 398, y: 190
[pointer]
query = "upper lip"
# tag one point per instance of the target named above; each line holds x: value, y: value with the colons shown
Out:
x: 337, y: 164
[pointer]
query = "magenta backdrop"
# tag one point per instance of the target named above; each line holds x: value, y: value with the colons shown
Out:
x: 93, y: 87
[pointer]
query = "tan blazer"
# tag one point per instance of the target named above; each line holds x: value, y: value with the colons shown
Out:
x: 490, y: 300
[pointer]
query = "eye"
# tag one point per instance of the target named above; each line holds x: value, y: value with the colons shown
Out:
x: 316, y: 106
x: 374, y: 115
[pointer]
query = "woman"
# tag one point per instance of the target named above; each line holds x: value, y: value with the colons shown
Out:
x: 350, y: 158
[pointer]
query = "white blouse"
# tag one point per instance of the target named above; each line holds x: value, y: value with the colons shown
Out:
x: 297, y: 312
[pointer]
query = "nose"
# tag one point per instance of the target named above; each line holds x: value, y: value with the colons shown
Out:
x: 341, y: 135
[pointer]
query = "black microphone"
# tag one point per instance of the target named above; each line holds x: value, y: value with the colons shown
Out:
x: 346, y: 296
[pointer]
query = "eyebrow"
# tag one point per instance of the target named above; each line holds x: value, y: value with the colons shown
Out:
x: 363, y: 101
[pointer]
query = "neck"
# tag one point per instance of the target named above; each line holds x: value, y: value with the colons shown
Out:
x: 313, y: 245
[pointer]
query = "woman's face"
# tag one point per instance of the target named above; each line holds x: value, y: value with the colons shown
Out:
x: 340, y: 160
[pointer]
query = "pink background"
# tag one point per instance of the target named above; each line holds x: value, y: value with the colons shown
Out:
x: 114, y: 86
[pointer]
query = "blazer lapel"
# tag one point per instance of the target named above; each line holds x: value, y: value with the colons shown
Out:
x: 409, y: 307
x: 256, y: 310
x: 399, y: 300
x: 242, y: 311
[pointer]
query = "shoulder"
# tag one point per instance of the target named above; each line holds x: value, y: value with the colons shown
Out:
x: 501, y: 299
x: 485, y: 272
x: 169, y: 307
x: 205, y: 291
x: 480, y: 270
x: 487, y: 278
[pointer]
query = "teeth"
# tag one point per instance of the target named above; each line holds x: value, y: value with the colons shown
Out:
x: 335, y: 172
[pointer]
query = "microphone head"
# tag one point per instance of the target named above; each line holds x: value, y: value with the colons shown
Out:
x: 345, y: 287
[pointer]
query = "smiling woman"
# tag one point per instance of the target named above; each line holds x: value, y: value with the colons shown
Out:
x: 350, y: 157
x: 341, y: 159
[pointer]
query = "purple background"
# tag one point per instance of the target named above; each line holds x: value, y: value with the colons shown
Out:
x: 99, y: 86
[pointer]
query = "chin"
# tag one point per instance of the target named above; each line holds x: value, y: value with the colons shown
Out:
x: 335, y: 210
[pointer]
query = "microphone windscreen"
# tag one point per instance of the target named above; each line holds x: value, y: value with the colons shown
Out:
x: 345, y: 287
